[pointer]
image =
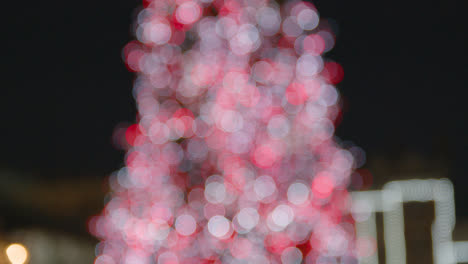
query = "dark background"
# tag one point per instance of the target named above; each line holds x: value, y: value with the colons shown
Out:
x: 66, y: 86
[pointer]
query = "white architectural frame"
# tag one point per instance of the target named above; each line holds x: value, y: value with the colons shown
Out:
x: 390, y: 202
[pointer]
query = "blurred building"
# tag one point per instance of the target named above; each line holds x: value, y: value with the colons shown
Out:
x: 49, y: 216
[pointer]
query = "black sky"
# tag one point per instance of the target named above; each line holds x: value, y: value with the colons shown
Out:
x: 66, y: 87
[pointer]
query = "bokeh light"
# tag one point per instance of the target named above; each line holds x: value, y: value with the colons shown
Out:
x: 232, y: 158
x: 17, y: 253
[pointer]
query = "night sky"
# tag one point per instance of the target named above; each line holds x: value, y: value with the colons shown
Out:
x: 66, y: 86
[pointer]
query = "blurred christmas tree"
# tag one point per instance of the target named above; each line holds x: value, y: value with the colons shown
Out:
x: 232, y: 158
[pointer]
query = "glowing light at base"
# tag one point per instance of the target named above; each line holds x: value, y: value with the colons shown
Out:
x: 17, y: 253
x: 233, y: 157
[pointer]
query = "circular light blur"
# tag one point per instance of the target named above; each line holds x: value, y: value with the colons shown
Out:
x: 218, y: 226
x: 188, y: 12
x: 291, y: 255
x: 185, y: 225
x: 308, y: 19
x: 298, y: 193
x: 17, y: 253
x: 248, y: 218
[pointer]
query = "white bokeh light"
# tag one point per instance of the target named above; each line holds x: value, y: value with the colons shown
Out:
x: 215, y: 192
x: 248, y: 218
x: 219, y: 226
x: 308, y: 19
x: 298, y: 193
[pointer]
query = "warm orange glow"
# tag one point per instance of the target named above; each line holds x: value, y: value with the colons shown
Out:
x: 17, y: 253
